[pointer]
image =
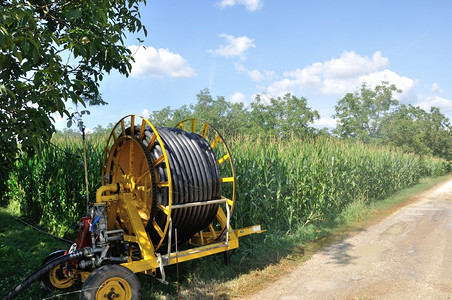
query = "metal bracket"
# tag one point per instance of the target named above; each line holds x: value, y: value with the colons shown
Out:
x: 162, y: 270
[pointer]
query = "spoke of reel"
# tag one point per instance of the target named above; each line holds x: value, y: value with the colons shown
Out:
x: 123, y: 128
x: 132, y: 125
x: 158, y: 229
x: 163, y: 184
x: 215, y: 142
x: 142, y: 128
x: 114, y: 136
x: 152, y: 141
x: 193, y: 125
x: 204, y: 130
x: 115, y: 160
x: 212, y: 231
x: 130, y: 158
x: 223, y: 159
x: 163, y: 209
x: 227, y: 179
x: 142, y: 176
x: 159, y: 160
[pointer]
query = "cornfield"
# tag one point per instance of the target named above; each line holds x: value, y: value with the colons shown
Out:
x: 281, y: 183
x: 284, y: 184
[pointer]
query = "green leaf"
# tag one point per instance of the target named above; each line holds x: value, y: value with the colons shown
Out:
x: 73, y: 14
x: 10, y: 93
x: 25, y: 46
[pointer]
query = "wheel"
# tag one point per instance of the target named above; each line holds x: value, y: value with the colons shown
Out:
x: 111, y: 282
x: 127, y: 160
x: 56, y: 278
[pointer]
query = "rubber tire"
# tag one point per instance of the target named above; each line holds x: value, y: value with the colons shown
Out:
x: 100, y: 275
x: 44, y: 281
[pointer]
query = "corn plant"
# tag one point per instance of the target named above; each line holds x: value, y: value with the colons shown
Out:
x: 281, y: 183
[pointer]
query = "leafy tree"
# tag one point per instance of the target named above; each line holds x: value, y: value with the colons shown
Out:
x: 416, y: 130
x: 284, y: 116
x: 360, y: 113
x: 229, y: 118
x: 52, y: 53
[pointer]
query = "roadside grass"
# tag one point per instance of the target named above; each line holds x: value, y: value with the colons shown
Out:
x: 259, y: 261
x: 310, y: 239
x: 22, y: 250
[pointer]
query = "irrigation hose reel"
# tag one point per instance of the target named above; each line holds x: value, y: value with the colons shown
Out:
x: 162, y: 188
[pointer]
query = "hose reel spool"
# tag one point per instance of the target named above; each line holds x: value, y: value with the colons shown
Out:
x: 175, y: 175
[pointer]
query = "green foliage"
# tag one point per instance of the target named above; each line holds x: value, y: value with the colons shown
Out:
x: 283, y: 183
x: 282, y: 116
x: 415, y: 130
x: 52, y: 53
x: 50, y: 189
x: 287, y: 183
x: 376, y: 116
x: 360, y: 113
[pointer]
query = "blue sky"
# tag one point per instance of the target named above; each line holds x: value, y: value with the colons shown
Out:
x: 314, y: 49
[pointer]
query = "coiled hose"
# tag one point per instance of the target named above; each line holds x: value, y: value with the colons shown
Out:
x: 195, y: 176
x: 43, y: 270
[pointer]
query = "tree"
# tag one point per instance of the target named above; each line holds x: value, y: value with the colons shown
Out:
x: 360, y: 113
x: 229, y: 118
x: 52, y: 53
x: 283, y: 116
x: 418, y: 131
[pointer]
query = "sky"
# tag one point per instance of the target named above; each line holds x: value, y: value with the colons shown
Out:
x: 319, y: 50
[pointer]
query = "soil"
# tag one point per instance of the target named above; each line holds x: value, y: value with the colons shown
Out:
x: 408, y: 255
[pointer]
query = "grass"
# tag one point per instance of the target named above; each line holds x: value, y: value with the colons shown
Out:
x: 260, y: 260
x: 22, y: 250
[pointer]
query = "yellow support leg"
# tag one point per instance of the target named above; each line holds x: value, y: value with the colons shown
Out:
x: 142, y: 237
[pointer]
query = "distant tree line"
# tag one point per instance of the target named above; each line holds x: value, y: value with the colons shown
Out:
x: 376, y: 116
x: 367, y: 115
x: 282, y: 116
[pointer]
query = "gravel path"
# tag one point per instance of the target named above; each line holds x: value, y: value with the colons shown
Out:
x: 406, y: 256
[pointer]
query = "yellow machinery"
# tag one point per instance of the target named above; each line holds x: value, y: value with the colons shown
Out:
x: 162, y: 188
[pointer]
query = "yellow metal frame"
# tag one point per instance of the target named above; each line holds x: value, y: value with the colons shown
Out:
x: 118, y: 133
x: 121, y: 196
x: 149, y: 261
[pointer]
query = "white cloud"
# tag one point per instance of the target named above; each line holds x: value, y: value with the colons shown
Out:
x: 340, y: 75
x: 323, y: 122
x: 145, y: 113
x: 445, y: 105
x: 404, y: 83
x: 237, y: 98
x: 436, y: 88
x: 265, y: 98
x: 251, y: 5
x: 236, y: 46
x: 158, y: 63
x: 255, y: 74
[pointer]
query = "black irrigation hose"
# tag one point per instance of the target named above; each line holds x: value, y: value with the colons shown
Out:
x: 43, y: 270
x: 195, y: 178
x: 45, y: 232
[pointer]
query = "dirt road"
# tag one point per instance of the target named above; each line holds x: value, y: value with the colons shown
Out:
x: 406, y: 256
